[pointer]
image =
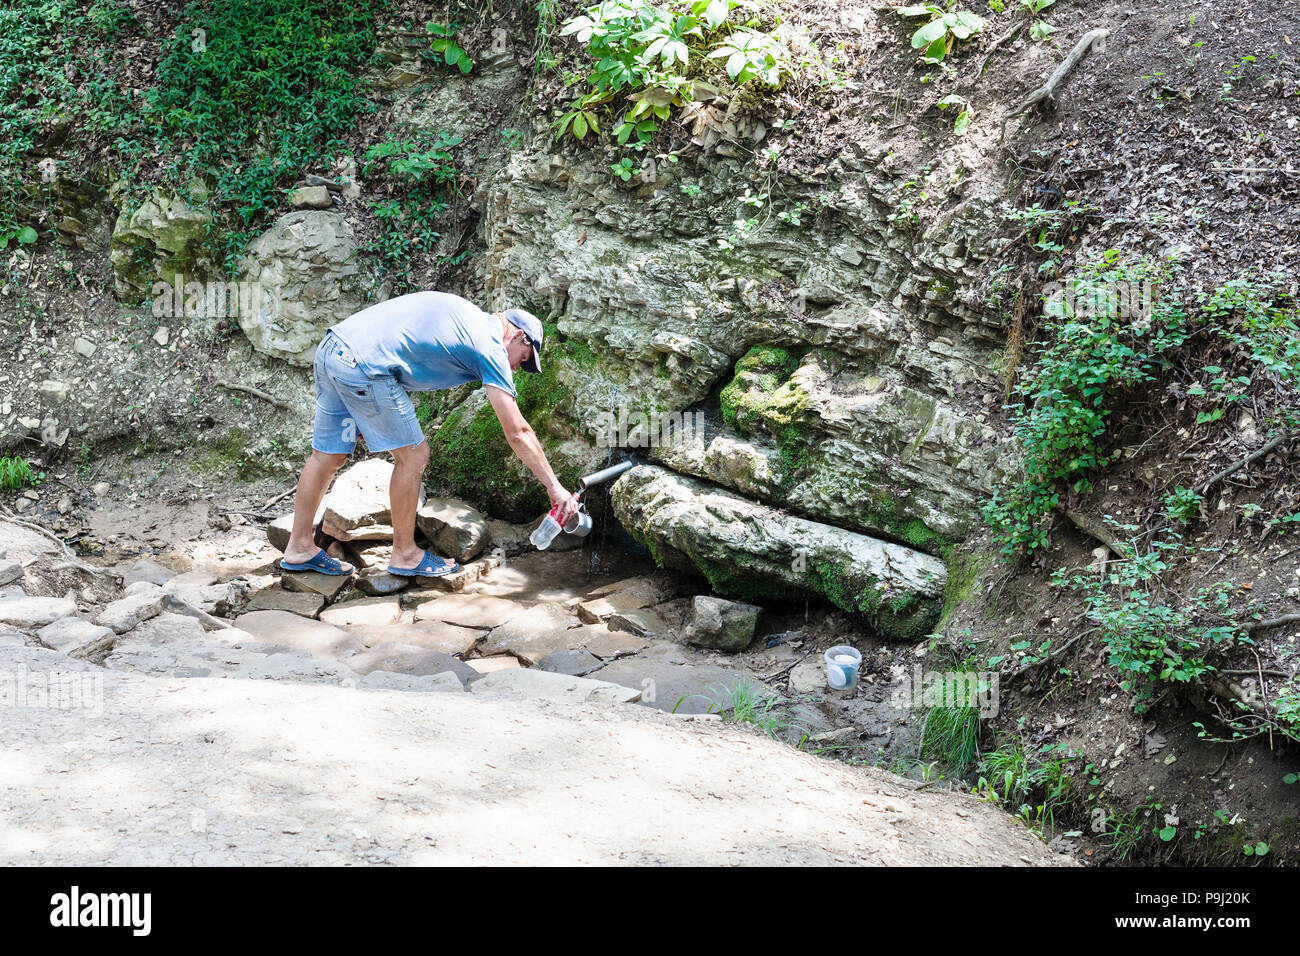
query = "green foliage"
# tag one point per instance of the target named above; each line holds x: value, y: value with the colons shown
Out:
x: 942, y: 29
x: 964, y: 112
x: 274, y: 79
x: 1034, y: 784
x: 1182, y: 505
x: 443, y: 44
x: 951, y: 735
x: 643, y: 52
x: 1039, y: 30
x: 15, y: 474
x: 1066, y: 398
x: 422, y: 178
x: 1150, y: 641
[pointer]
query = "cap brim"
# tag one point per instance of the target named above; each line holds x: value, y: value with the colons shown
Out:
x: 531, y: 364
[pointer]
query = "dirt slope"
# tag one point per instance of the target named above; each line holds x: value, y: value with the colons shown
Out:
x: 208, y: 771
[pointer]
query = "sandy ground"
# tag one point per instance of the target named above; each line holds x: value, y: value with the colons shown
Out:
x: 212, y: 771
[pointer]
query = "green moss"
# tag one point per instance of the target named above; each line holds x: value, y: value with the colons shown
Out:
x: 963, y: 571
x: 903, y: 616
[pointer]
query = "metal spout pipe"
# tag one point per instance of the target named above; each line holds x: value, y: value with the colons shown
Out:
x: 599, y: 477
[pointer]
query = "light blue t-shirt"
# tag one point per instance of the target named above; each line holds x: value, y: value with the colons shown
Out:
x: 428, y: 341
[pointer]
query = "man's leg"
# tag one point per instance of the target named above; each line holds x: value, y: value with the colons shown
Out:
x: 404, y: 498
x: 315, y: 479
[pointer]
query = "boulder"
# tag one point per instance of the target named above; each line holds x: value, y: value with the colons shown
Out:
x: 68, y: 633
x: 746, y: 549
x: 120, y: 616
x: 34, y: 611
x: 720, y: 624
x: 306, y: 273
x: 357, y: 505
x: 454, y: 528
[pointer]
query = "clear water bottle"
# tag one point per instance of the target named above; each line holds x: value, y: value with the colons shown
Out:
x: 546, y: 531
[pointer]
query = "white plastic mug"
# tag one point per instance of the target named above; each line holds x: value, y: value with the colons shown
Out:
x: 842, y: 663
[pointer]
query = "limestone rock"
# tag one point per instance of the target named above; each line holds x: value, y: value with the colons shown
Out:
x: 432, y: 635
x: 10, y: 571
x: 159, y: 242
x: 444, y: 682
x: 357, y: 505
x: 310, y: 197
x: 607, y: 644
x: 462, y: 577
x: 305, y: 269
x: 71, y: 632
x: 643, y: 622
x: 120, y: 616
x: 276, y: 598
x: 316, y: 637
x: 682, y: 688
x: 455, y: 529
x: 746, y: 548
x: 533, y: 633
x: 410, y: 659
x: 378, y: 583
x: 721, y: 624
x: 575, y: 663
x: 468, y: 610
x: 366, y: 612
x: 549, y: 686
x: 498, y: 662
x: 313, y: 582
x: 146, y: 570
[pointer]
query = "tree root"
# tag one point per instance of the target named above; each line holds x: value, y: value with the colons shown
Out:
x: 1048, y: 89
x: 255, y: 392
x: 1253, y: 456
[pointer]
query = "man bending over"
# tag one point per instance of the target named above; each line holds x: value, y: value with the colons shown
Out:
x: 364, y: 368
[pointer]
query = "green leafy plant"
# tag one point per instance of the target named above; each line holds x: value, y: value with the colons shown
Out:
x: 442, y: 43
x: 1039, y: 30
x: 944, y: 27
x: 15, y: 474
x: 754, y: 56
x: 1182, y: 504
x: 964, y: 112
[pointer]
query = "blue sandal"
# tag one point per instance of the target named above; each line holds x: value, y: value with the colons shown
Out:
x: 430, y: 566
x: 320, y: 562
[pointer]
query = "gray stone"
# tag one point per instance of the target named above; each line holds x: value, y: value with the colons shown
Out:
x: 310, y: 197
x: 146, y: 570
x: 83, y: 347
x: 71, y: 632
x: 433, y: 635
x: 306, y: 270
x: 366, y: 612
x: 34, y: 611
x: 694, y: 526
x: 468, y: 610
x: 10, y: 571
x: 409, y: 659
x: 724, y: 625
x: 357, y: 505
x: 455, y: 529
x: 535, y: 683
x: 122, y: 615
x: 276, y: 598
x: 297, y: 666
x: 639, y: 595
x: 607, y: 644
x: 445, y: 682
x: 643, y: 622
x: 533, y: 633
x: 575, y: 663
x: 315, y: 637
x: 461, y: 578
x: 313, y: 582
x: 53, y: 392
x: 378, y: 583
x: 160, y: 240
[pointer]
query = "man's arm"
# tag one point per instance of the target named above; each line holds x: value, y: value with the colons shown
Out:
x: 524, y: 443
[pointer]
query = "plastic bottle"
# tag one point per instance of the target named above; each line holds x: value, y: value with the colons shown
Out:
x: 546, y: 531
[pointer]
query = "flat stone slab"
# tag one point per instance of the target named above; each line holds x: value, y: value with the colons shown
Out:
x: 535, y: 683
x: 409, y: 659
x: 574, y: 663
x: 468, y: 610
x: 71, y: 632
x: 316, y: 637
x: 636, y: 596
x: 34, y: 611
x: 534, y: 633
x: 130, y: 611
x: 490, y: 665
x: 809, y: 676
x: 672, y: 687
x: 313, y: 582
x: 144, y: 570
x: 10, y: 571
x: 366, y: 612
x: 642, y: 621
x: 276, y: 598
x: 445, y: 682
x: 607, y: 644
x: 297, y: 666
x: 432, y: 635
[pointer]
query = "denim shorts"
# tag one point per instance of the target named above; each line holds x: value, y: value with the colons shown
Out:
x: 350, y: 402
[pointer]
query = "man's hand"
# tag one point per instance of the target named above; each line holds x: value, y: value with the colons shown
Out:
x: 568, y: 504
